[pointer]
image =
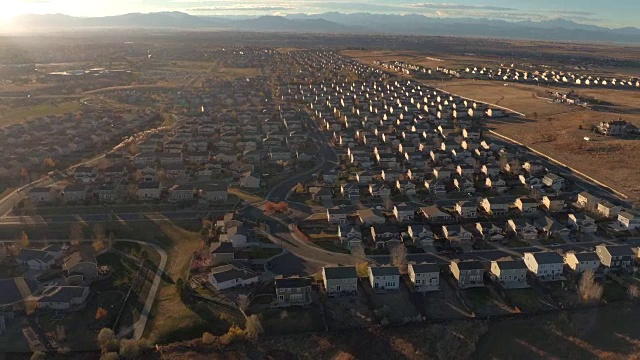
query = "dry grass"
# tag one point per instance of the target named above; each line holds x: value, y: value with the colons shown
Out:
x: 16, y: 115
x: 169, y: 314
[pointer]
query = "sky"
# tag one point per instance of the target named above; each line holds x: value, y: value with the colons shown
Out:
x: 609, y: 13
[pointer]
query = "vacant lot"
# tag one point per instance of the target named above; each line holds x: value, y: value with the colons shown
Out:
x: 15, y: 115
x: 349, y: 312
x: 609, y: 332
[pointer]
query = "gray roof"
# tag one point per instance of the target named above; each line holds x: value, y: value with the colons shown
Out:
x: 619, y: 250
x: 221, y: 248
x: 547, y: 257
x: 425, y: 268
x: 229, y: 272
x: 469, y: 265
x: 340, y: 272
x: 292, y: 282
x: 587, y: 256
x: 510, y: 264
x: 384, y: 270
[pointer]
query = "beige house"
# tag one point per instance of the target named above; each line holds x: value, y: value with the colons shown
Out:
x: 340, y: 279
x: 581, y: 262
x: 425, y: 276
x: 468, y: 273
x: 511, y: 274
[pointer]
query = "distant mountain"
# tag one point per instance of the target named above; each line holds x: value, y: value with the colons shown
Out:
x: 335, y: 22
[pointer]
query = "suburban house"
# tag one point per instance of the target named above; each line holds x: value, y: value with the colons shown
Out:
x: 384, y: 278
x: 608, y: 209
x: 180, y: 193
x: 75, y: 193
x: 250, y: 180
x: 35, y: 259
x: 467, y: 208
x: 553, y: 181
x: 40, y: 195
x: 522, y: 228
x: 582, y: 261
x: 404, y: 212
x: 320, y: 193
x: 435, y: 215
x: 550, y: 227
x: 229, y: 276
x: 82, y: 262
x: 582, y: 222
x: 510, y: 273
x: 215, y: 192
x: 615, y: 257
x: 424, y: 276
x: 553, y: 203
x: 420, y: 234
x: 85, y: 174
x: 369, y: 217
x: 384, y: 235
x: 149, y: 190
x: 468, y: 273
x: 494, y: 206
x: 526, y: 205
x: 236, y: 235
x: 349, y: 235
x: 221, y: 253
x: 587, y: 201
x: 337, y: 215
x: 340, y: 279
x: 456, y: 233
x: 293, y: 291
x: 545, y: 265
x: 63, y: 297
x: 629, y: 220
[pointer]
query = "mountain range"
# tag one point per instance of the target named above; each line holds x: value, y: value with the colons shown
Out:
x: 335, y: 22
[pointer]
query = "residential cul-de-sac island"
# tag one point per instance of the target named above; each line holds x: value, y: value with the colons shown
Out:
x: 345, y: 194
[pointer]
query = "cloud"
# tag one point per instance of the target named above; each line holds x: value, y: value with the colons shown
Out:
x: 430, y: 5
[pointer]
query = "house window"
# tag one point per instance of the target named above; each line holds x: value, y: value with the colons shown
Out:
x: 280, y: 297
x: 338, y: 288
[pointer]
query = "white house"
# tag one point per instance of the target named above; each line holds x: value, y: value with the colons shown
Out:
x: 545, y: 265
x: 63, y: 297
x: 229, y: 276
x: 384, y: 278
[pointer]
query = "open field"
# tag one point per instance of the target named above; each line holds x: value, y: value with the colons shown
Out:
x: 15, y: 115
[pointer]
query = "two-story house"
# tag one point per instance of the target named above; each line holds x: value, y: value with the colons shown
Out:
x: 468, y: 273
x: 545, y: 265
x: 340, y: 279
x: 615, y: 257
x: 510, y: 273
x: 582, y: 261
x: 424, y: 276
x: 293, y: 291
x: 384, y: 278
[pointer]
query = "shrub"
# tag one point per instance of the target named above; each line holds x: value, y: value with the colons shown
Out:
x: 110, y: 356
x: 107, y: 340
x: 132, y: 349
x: 234, y: 334
x: 208, y: 338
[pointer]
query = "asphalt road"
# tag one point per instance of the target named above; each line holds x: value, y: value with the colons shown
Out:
x: 329, y: 161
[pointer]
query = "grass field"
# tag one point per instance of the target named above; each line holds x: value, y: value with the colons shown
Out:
x: 19, y: 114
x: 169, y: 316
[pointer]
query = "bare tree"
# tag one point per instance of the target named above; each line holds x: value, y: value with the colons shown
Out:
x: 399, y: 257
x: 634, y: 291
x: 107, y: 340
x: 243, y: 302
x: 588, y: 289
